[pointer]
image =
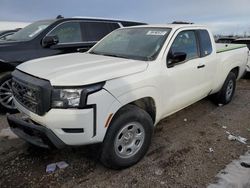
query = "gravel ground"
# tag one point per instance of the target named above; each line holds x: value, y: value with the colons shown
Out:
x: 178, y: 157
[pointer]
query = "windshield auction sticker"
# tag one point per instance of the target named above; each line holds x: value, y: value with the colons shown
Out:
x: 157, y: 33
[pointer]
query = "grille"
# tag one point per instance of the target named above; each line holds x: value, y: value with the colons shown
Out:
x: 31, y: 92
x: 27, y: 95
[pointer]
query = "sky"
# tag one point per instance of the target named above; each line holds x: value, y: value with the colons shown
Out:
x: 222, y: 16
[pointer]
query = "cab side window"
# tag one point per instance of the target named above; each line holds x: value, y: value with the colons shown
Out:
x: 185, y: 42
x: 69, y: 32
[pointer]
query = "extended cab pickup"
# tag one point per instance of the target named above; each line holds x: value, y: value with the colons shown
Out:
x: 121, y: 88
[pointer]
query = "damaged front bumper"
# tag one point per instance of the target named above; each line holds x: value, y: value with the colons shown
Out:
x: 33, y: 133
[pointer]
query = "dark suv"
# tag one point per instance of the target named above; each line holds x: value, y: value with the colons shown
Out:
x: 47, y: 38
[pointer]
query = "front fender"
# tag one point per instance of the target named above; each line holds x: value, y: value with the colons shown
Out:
x: 139, y: 93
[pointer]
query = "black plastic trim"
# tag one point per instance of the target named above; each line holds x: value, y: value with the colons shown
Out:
x: 94, y: 119
x: 43, y: 86
x: 73, y: 130
x: 85, y: 94
x: 35, y: 134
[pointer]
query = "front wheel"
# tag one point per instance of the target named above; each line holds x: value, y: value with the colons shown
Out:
x: 225, y: 95
x: 128, y: 138
x: 6, y: 96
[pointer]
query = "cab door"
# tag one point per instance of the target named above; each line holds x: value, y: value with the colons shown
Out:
x: 69, y: 37
x: 184, y: 75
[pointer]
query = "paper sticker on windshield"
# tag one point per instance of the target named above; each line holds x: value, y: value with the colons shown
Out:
x: 157, y: 33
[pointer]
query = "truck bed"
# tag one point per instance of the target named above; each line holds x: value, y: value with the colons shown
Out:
x: 227, y: 47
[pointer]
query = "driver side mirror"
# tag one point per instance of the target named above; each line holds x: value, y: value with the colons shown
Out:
x: 49, y: 41
x: 176, y: 57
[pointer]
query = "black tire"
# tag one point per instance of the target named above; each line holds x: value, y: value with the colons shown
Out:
x: 129, y: 114
x: 4, y: 107
x: 247, y: 75
x: 224, y: 96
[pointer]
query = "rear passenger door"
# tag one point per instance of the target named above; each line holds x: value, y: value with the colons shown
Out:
x: 93, y: 31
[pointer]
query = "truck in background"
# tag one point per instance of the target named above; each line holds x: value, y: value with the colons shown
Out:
x: 247, y: 42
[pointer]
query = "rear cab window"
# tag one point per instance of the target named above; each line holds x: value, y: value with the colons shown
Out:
x: 205, y: 43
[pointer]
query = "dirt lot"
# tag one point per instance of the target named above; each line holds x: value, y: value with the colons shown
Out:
x: 178, y: 157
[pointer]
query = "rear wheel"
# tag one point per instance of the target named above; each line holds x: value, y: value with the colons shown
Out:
x: 225, y: 95
x: 6, y: 96
x: 128, y: 138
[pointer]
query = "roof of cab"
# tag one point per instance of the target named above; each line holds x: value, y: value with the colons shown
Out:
x: 173, y: 26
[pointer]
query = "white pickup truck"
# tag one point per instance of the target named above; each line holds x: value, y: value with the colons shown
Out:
x: 121, y: 88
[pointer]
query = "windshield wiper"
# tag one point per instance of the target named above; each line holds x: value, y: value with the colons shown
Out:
x: 114, y: 55
x: 124, y: 56
x: 105, y: 54
x: 96, y: 53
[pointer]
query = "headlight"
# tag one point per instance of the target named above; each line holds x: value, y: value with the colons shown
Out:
x: 73, y: 97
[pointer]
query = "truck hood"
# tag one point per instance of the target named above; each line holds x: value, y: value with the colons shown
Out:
x: 81, y: 68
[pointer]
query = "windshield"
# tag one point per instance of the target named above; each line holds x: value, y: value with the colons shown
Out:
x: 2, y: 32
x: 30, y: 31
x: 133, y: 43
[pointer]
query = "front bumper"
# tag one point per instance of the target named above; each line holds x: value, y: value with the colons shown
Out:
x: 76, y: 127
x: 33, y: 133
x: 57, y: 120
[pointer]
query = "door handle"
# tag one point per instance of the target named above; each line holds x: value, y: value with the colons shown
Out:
x: 200, y: 66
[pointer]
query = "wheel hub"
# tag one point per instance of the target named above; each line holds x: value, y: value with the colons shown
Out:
x: 229, y: 91
x: 129, y: 140
x: 6, y: 96
x: 128, y: 137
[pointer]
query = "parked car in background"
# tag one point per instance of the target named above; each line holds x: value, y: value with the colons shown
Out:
x: 46, y: 38
x: 247, y: 42
x: 121, y: 88
x: 226, y: 40
x: 6, y: 33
